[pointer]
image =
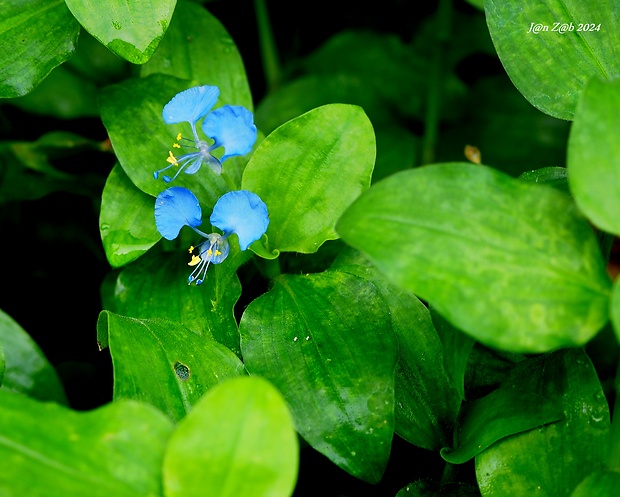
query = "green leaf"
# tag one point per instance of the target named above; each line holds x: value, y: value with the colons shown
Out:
x: 553, y: 459
x: 27, y: 370
x: 557, y: 177
x: 132, y: 30
x: 50, y: 451
x: 512, y: 264
x: 550, y: 67
x: 426, y: 403
x: 599, y: 484
x: 155, y: 286
x: 35, y: 37
x: 593, y: 151
x: 457, y: 347
x: 132, y: 114
x: 182, y: 365
x: 62, y: 94
x: 238, y: 440
x: 308, y: 171
x: 197, y: 47
x: 326, y: 343
x: 127, y: 220
x: 513, y: 408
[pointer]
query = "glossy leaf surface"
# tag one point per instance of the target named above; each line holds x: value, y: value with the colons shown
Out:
x: 325, y: 342
x: 156, y: 287
x: 426, y: 403
x: 238, y: 440
x: 27, y: 370
x: 308, y: 171
x: 126, y: 222
x: 594, y: 154
x: 80, y: 453
x: 35, y: 37
x: 183, y: 365
x: 132, y: 30
x: 551, y: 48
x: 197, y: 47
x: 555, y: 458
x: 512, y: 264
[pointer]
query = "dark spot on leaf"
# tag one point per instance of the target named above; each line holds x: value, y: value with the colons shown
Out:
x: 181, y: 370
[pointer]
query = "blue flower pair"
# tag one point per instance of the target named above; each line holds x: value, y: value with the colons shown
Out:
x: 238, y: 212
x: 230, y: 126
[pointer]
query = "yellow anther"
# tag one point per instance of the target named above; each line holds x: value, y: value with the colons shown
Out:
x: 191, y: 249
x: 195, y: 260
x: 209, y: 253
x: 217, y: 252
x: 172, y: 159
x: 176, y: 145
x: 179, y: 136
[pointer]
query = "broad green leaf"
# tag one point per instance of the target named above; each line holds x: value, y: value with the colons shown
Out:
x: 308, y: 171
x: 132, y: 30
x: 513, y: 408
x: 50, y: 451
x: 426, y: 403
x: 27, y: 370
x: 551, y: 48
x: 127, y: 220
x: 326, y: 343
x: 599, y: 484
x: 132, y: 114
x: 512, y: 264
x: 426, y: 488
x: 553, y: 459
x: 62, y: 94
x: 593, y: 154
x: 457, y: 347
x: 96, y: 63
x: 35, y: 37
x: 198, y: 48
x: 182, y: 365
x: 556, y: 177
x: 238, y: 440
x: 155, y: 286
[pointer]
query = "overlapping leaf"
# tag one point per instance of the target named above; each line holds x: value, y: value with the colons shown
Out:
x: 308, y: 171
x: 131, y: 30
x: 326, y: 343
x: 552, y: 459
x: 594, y: 154
x: 512, y: 264
x: 48, y: 450
x: 35, y: 37
x: 238, y: 440
x: 182, y: 365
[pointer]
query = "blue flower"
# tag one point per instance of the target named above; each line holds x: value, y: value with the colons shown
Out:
x: 230, y: 126
x: 240, y: 212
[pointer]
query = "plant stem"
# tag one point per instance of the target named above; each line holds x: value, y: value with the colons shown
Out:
x: 272, y: 268
x: 268, y: 50
x: 443, y: 18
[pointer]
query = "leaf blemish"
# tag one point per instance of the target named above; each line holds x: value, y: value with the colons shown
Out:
x: 182, y: 371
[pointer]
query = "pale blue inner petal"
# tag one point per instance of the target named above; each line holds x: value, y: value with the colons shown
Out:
x: 243, y: 213
x: 190, y: 105
x: 174, y: 208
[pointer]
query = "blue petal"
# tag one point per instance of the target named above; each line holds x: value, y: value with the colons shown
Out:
x: 190, y: 105
x: 241, y: 212
x: 174, y: 208
x: 232, y: 127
